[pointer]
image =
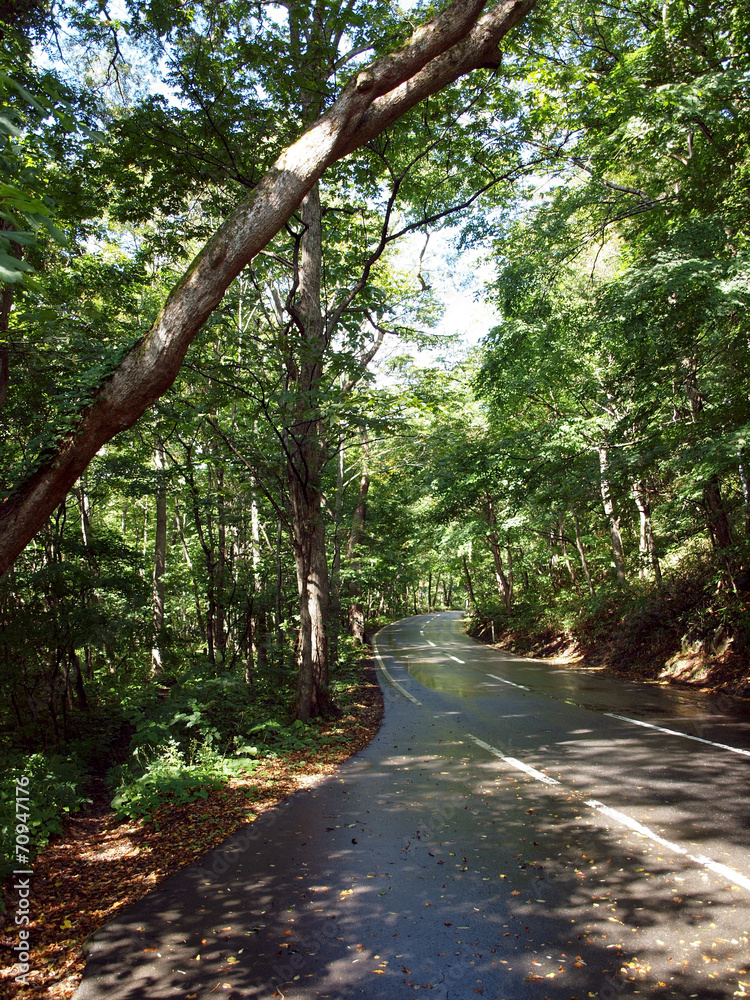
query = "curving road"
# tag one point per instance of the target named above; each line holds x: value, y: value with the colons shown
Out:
x: 515, y: 830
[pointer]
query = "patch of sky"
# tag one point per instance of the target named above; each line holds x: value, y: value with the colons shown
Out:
x: 457, y: 277
x: 109, y: 60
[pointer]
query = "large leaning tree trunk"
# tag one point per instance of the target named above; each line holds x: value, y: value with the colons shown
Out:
x: 452, y: 44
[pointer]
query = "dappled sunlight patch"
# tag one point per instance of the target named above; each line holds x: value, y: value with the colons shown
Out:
x: 309, y: 780
x: 118, y: 849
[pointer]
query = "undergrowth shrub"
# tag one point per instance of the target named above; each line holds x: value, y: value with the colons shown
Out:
x: 55, y: 789
x: 170, y: 775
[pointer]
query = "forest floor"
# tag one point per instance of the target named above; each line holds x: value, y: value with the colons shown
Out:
x: 101, y: 864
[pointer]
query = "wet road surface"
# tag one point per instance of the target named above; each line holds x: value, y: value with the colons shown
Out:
x: 515, y: 830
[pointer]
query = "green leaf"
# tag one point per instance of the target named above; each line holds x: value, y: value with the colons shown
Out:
x: 12, y: 269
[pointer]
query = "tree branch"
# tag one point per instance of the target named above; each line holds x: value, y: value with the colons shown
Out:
x: 449, y: 46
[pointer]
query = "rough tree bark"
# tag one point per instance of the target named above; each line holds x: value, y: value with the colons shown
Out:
x: 305, y: 461
x: 455, y: 42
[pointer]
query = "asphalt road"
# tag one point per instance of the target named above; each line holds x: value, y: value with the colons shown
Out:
x: 515, y: 830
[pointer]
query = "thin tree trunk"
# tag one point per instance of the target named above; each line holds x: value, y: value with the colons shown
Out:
x: 220, y: 635
x: 717, y: 520
x: 305, y: 464
x: 646, y: 543
x: 89, y: 661
x: 89, y: 595
x: 7, y: 293
x: 564, y: 548
x: 356, y: 534
x: 206, y: 539
x: 582, y: 554
x: 336, y: 585
x: 278, y: 598
x: 80, y: 690
x: 551, y: 556
x: 469, y: 585
x: 83, y: 503
x: 745, y: 490
x: 504, y: 585
x: 145, y: 533
x: 613, y: 521
x: 191, y: 570
x: 312, y: 581
x: 160, y: 561
x: 258, y: 649
x: 509, y: 574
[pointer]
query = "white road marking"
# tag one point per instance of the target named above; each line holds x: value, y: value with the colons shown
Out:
x: 676, y: 732
x: 452, y: 657
x: 512, y: 683
x: 514, y: 762
x: 430, y: 643
x: 730, y: 874
x: 735, y: 877
x: 390, y: 679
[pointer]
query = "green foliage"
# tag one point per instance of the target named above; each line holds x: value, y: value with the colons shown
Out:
x: 182, y: 748
x: 55, y: 790
x: 24, y: 209
x: 171, y: 776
